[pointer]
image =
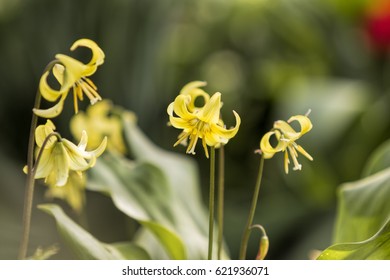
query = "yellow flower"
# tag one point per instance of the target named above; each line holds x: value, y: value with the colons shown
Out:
x: 73, y: 192
x: 59, y: 155
x: 71, y: 73
x: 286, y: 137
x: 200, y: 122
x: 98, y: 122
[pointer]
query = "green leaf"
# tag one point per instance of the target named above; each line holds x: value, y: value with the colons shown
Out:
x: 375, y: 248
x: 182, y: 177
x: 141, y: 192
x: 379, y: 160
x: 87, y: 247
x: 363, y: 207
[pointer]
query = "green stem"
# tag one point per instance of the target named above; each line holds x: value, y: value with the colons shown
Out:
x: 30, y: 182
x: 221, y: 191
x: 29, y: 192
x: 211, y: 202
x: 247, y: 230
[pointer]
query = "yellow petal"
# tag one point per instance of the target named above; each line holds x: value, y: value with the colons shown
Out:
x: 58, y: 72
x: 287, y: 131
x: 41, y: 133
x: 304, y: 122
x: 74, y: 70
x: 180, y: 107
x: 267, y: 149
x: 211, y: 111
x: 226, y: 133
x: 60, y: 164
x: 97, y: 52
x: 46, y: 91
x: 53, y: 111
x: 192, y: 89
x: 192, y: 85
x: 45, y: 164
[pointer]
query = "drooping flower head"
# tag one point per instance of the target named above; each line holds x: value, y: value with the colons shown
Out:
x: 71, y: 74
x: 286, y: 136
x: 200, y: 122
x: 59, y: 155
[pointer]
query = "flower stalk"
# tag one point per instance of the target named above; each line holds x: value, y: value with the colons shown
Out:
x: 221, y: 191
x: 248, y: 226
x: 211, y: 202
x: 29, y: 190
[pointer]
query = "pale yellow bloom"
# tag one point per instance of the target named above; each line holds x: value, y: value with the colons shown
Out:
x: 99, y: 121
x: 71, y: 74
x: 200, y: 122
x: 73, y: 192
x: 286, y: 136
x: 59, y: 155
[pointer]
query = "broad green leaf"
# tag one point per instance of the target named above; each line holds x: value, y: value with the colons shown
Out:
x: 182, y: 177
x: 379, y: 160
x: 141, y: 192
x: 87, y: 247
x: 363, y: 207
x: 375, y: 248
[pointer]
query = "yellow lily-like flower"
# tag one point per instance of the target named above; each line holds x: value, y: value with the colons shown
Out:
x: 59, y: 155
x: 71, y: 73
x: 286, y: 137
x: 200, y: 122
x: 99, y: 122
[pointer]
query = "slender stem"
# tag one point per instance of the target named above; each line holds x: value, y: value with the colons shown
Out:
x: 29, y: 191
x: 211, y: 202
x: 247, y: 230
x: 30, y: 182
x: 221, y: 191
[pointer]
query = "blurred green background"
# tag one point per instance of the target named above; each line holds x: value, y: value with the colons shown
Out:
x: 269, y: 59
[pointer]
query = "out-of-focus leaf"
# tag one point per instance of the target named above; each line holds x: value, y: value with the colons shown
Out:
x: 363, y: 207
x: 44, y: 253
x: 140, y: 191
x: 182, y: 177
x: 87, y: 247
x: 379, y: 160
x: 345, y: 99
x: 375, y: 248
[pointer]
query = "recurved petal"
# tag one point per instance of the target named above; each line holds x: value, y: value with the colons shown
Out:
x: 53, y: 111
x: 74, y: 70
x: 286, y: 130
x: 83, y: 141
x: 179, y: 123
x: 192, y: 85
x: 46, y: 91
x: 304, y: 122
x: 226, y: 133
x: 99, y: 150
x: 180, y: 107
x: 58, y: 72
x: 97, y: 52
x: 265, y: 146
x: 211, y: 110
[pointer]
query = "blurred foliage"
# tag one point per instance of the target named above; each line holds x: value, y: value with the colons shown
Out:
x: 270, y: 60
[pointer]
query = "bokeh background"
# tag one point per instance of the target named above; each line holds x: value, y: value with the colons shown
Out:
x: 270, y: 60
